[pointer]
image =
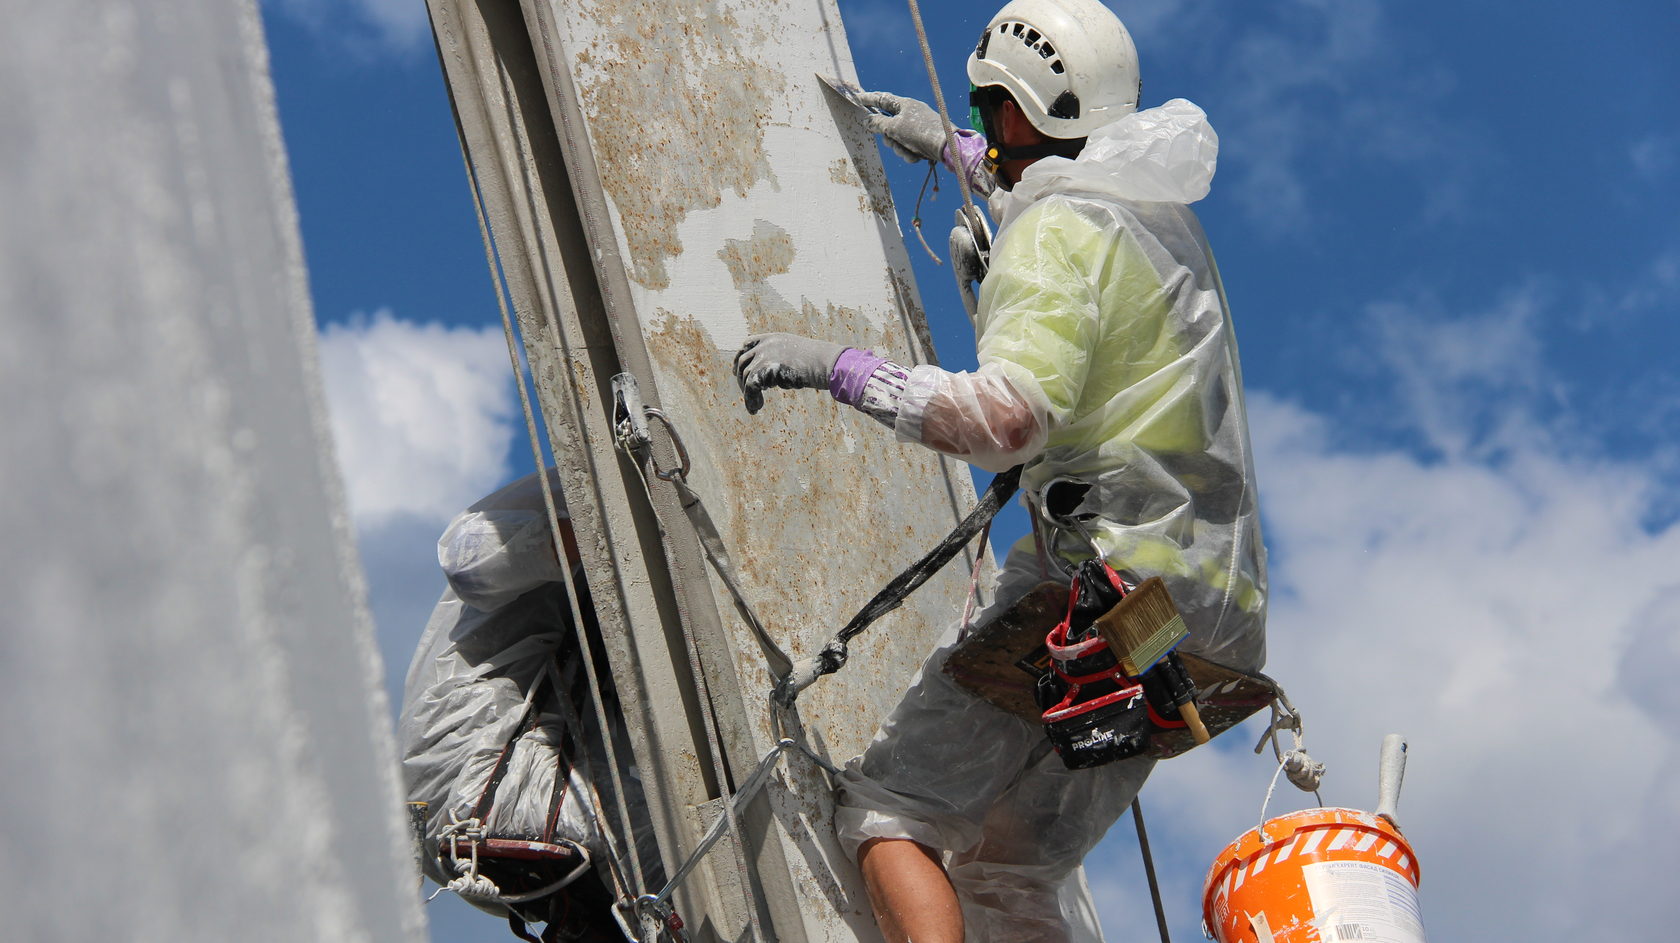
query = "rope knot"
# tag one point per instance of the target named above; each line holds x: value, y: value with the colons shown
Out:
x: 1302, y: 770
x: 833, y: 656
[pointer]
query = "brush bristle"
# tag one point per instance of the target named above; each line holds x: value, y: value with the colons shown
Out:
x: 1144, y: 627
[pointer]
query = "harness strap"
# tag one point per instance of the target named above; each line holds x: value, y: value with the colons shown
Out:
x: 519, y: 930
x: 487, y: 797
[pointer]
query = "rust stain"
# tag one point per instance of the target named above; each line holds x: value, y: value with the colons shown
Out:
x: 805, y: 493
x: 841, y: 172
x: 676, y: 112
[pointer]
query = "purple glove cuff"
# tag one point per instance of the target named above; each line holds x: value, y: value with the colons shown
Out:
x: 971, y: 145
x: 851, y: 374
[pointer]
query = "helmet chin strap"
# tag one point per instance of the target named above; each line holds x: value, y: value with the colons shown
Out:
x: 1050, y: 147
x: 997, y: 152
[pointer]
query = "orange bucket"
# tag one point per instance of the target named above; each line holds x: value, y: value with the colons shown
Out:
x: 1316, y: 876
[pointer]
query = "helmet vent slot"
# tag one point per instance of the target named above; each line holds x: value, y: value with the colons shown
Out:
x: 1066, y: 105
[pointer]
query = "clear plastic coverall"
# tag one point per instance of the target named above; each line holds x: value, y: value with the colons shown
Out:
x: 1106, y: 356
x: 487, y: 648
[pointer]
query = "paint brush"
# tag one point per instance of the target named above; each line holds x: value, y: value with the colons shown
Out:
x: 1143, y: 629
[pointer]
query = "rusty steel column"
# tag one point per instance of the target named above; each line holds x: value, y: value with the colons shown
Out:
x: 663, y: 178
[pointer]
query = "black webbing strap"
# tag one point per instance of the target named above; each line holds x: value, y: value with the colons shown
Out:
x: 517, y: 925
x: 891, y: 596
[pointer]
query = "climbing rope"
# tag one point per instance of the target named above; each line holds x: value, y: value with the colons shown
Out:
x: 944, y: 115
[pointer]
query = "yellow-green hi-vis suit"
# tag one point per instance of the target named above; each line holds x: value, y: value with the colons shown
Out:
x: 1106, y: 357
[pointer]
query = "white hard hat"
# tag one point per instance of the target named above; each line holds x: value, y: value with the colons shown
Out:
x: 1070, y: 64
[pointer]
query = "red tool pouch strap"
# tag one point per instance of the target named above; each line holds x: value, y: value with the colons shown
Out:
x: 1057, y: 639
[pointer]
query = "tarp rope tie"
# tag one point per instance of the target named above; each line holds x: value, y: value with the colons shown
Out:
x: 1303, y: 771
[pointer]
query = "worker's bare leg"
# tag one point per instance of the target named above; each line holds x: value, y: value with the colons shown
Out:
x: 913, y: 899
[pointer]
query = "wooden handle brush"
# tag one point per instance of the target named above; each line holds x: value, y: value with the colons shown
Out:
x: 1143, y: 629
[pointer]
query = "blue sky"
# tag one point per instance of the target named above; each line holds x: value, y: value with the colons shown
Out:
x: 1449, y: 237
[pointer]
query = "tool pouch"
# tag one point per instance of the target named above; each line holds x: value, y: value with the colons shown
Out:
x: 1092, y: 712
x: 1002, y: 661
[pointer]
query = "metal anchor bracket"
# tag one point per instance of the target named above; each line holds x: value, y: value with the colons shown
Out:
x: 630, y: 427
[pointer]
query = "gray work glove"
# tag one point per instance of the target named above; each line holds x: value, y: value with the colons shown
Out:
x: 785, y: 361
x: 911, y: 128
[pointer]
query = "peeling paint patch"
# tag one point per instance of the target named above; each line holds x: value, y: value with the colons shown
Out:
x: 676, y: 113
x: 777, y: 469
x: 769, y: 251
x: 874, y: 195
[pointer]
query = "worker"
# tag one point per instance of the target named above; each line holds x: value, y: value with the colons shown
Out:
x: 1107, y: 367
x: 498, y: 729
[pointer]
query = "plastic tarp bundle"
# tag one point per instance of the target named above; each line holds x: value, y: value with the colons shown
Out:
x: 499, y: 663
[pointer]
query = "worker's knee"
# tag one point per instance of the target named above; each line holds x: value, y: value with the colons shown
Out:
x: 889, y: 853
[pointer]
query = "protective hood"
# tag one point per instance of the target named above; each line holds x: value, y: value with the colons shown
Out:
x: 1164, y: 154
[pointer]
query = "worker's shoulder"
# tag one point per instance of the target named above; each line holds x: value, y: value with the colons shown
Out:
x: 1067, y: 225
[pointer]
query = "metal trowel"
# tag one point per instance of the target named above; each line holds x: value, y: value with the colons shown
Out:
x: 849, y: 92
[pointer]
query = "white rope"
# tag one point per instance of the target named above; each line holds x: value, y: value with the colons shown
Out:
x: 585, y: 646
x: 470, y: 884
x: 479, y: 888
x: 974, y: 580
x: 1303, y: 771
x: 944, y: 116
x: 635, y: 879
x: 559, y: 884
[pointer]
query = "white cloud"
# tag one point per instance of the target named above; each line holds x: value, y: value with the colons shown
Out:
x: 1513, y: 611
x: 1466, y: 381
x: 1654, y: 156
x: 1654, y: 290
x: 1309, y: 89
x: 421, y: 415
x: 400, y: 26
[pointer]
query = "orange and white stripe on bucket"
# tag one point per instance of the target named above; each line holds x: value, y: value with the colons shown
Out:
x: 1316, y: 876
